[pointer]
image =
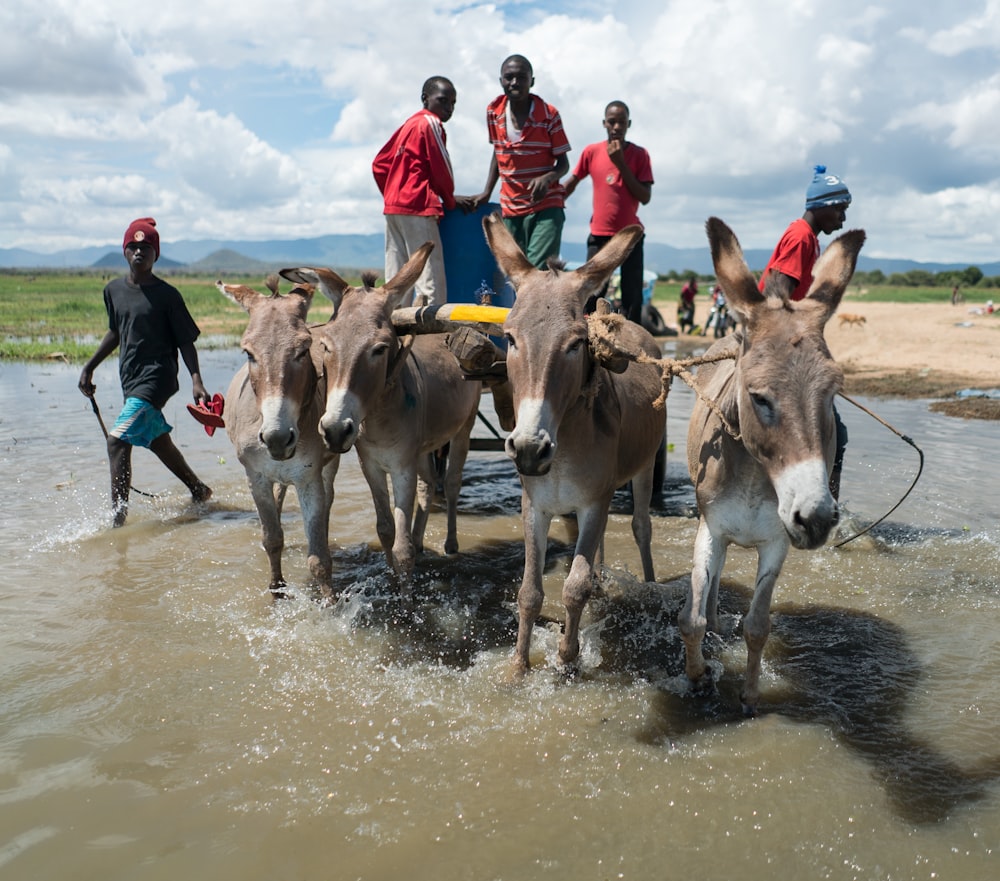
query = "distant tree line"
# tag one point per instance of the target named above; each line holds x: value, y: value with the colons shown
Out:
x: 970, y: 277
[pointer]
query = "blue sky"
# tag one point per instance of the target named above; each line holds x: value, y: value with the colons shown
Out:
x: 259, y: 120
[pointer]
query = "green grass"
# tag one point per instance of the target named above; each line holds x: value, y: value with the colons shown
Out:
x: 61, y: 314
x: 47, y: 315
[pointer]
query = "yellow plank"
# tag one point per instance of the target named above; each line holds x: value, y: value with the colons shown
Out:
x: 471, y: 312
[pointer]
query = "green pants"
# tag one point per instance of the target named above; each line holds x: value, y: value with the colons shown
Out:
x: 539, y: 235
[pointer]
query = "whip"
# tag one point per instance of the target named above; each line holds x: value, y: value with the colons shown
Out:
x: 920, y: 469
x: 104, y: 430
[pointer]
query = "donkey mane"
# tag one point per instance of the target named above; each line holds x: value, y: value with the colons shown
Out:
x: 368, y: 279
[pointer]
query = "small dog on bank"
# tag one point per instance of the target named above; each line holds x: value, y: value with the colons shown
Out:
x: 848, y: 318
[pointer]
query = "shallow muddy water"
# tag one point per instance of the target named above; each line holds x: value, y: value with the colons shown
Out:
x: 161, y: 718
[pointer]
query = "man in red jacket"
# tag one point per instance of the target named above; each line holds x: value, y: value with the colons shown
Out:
x: 413, y: 173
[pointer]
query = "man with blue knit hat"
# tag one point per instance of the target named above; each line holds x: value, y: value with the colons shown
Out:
x: 793, y: 259
x: 795, y: 256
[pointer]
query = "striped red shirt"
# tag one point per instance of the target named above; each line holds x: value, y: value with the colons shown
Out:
x: 533, y: 154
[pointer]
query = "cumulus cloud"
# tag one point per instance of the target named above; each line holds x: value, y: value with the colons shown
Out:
x: 266, y: 120
x: 219, y: 158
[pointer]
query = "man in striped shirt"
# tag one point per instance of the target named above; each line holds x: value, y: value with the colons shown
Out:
x: 530, y: 155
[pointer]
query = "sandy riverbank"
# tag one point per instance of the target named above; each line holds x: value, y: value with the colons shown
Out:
x: 929, y: 350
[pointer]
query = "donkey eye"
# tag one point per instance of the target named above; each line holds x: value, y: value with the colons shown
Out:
x: 575, y: 345
x: 511, y: 343
x: 764, y: 407
x: 379, y: 349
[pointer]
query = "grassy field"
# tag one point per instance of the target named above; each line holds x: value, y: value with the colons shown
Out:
x: 48, y: 315
x: 61, y: 314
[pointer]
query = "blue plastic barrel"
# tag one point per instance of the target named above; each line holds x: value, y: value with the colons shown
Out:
x: 469, y: 266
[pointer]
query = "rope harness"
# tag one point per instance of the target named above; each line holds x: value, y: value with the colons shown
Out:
x: 606, y: 346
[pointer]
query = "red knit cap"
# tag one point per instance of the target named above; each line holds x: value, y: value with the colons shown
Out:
x: 143, y: 230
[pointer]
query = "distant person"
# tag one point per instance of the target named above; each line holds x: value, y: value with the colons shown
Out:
x: 148, y: 320
x: 413, y: 172
x: 827, y: 200
x: 622, y: 177
x: 529, y: 158
x: 718, y: 317
x: 685, y: 309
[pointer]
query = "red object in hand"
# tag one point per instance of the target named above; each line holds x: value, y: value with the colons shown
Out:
x: 209, y: 413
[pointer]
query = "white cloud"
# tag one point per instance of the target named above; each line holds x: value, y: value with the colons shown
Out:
x: 219, y: 158
x: 263, y: 119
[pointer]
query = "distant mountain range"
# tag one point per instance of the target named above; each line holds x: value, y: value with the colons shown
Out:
x: 358, y: 252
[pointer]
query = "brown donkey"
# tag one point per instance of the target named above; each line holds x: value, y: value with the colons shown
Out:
x: 396, y: 401
x: 272, y: 408
x: 760, y: 460
x: 581, y: 431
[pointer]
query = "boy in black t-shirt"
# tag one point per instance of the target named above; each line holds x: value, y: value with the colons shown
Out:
x: 148, y: 319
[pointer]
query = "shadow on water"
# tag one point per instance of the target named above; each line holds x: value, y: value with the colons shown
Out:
x: 462, y: 604
x: 850, y: 671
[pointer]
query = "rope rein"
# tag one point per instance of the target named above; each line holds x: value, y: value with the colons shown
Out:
x: 606, y: 346
x: 920, y: 469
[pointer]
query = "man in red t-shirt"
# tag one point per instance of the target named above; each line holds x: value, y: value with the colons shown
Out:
x: 622, y: 178
x: 529, y: 157
x: 413, y: 173
x: 792, y: 263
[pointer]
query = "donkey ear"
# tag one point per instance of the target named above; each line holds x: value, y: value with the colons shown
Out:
x: 593, y: 275
x: 238, y: 293
x: 331, y: 284
x: 304, y: 293
x: 731, y: 270
x: 402, y: 282
x: 510, y: 258
x: 833, y: 271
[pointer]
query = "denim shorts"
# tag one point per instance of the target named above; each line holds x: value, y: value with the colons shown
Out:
x: 139, y: 423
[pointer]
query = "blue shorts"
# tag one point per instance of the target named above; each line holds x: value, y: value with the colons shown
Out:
x: 139, y: 423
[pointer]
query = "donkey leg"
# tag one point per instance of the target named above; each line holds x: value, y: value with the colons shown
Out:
x: 268, y: 499
x: 385, y: 526
x: 423, y: 501
x: 458, y: 453
x: 692, y: 620
x: 316, y: 518
x: 580, y: 582
x: 757, y: 622
x: 531, y: 595
x: 404, y: 492
x: 642, y: 526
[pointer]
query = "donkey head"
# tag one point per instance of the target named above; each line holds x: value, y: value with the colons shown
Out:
x: 787, y: 379
x: 277, y: 343
x: 361, y: 353
x: 549, y: 364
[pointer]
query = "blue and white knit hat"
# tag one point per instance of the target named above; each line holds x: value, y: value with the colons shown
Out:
x: 826, y: 189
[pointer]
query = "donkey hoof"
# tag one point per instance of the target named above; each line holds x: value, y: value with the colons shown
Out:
x: 704, y: 685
